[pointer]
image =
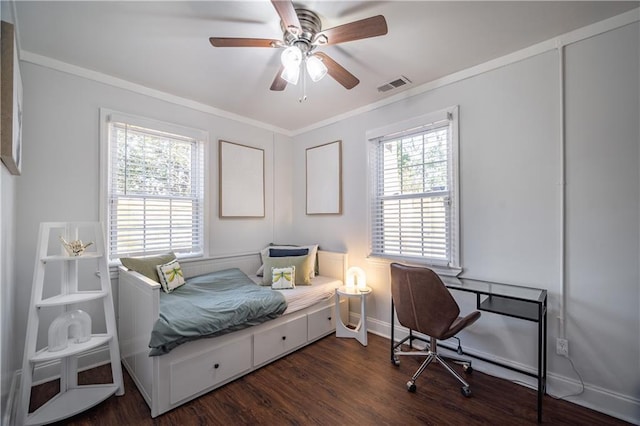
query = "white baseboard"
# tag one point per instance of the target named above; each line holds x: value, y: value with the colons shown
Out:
x: 47, y: 371
x: 596, y: 398
x: 11, y: 400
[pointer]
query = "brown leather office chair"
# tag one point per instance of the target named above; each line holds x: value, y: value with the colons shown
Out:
x: 423, y: 304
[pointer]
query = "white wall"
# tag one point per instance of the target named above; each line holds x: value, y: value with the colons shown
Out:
x: 602, y: 208
x: 8, y: 361
x: 508, y: 184
x: 60, y: 179
x: 510, y: 181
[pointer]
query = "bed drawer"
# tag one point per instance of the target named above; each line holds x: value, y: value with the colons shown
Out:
x: 272, y: 342
x: 321, y: 322
x: 198, y: 372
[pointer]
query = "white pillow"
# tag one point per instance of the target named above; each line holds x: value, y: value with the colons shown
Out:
x: 313, y: 252
x: 171, y: 276
x: 283, y: 278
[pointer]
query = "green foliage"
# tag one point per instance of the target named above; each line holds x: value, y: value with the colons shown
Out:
x: 418, y: 163
x: 153, y: 165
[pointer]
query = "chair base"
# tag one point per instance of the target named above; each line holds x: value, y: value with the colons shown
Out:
x: 432, y: 354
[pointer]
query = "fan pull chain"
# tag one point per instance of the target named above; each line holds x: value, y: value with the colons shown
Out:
x: 303, y: 87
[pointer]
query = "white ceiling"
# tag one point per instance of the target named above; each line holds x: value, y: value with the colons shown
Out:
x: 165, y: 46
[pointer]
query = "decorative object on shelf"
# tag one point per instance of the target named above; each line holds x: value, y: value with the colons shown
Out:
x: 74, y: 248
x: 356, y: 279
x: 72, y: 325
x: 10, y: 102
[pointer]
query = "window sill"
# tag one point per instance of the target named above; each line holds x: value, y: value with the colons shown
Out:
x: 444, y: 270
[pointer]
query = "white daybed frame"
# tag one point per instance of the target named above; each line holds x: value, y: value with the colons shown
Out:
x: 195, y: 368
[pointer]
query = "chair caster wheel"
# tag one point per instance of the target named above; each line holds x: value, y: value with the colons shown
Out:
x: 466, y: 391
x: 467, y: 368
x: 411, y: 387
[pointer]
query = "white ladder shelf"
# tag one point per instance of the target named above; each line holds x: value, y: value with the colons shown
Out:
x: 72, y: 398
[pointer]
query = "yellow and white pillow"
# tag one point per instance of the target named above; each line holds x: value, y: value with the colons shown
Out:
x: 283, y: 278
x: 171, y: 276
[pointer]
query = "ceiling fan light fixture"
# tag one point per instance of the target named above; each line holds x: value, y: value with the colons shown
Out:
x: 316, y: 69
x: 291, y: 56
x: 302, y: 33
x: 291, y: 73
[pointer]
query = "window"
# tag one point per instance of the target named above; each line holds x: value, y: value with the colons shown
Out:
x: 155, y: 187
x: 414, y: 214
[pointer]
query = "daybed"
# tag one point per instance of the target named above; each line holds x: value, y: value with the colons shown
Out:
x: 197, y: 367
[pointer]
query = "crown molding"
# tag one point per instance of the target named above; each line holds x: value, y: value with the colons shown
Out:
x: 522, y: 54
x: 67, y: 68
x: 519, y: 55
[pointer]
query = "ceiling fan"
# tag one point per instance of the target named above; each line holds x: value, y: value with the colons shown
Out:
x: 302, y: 34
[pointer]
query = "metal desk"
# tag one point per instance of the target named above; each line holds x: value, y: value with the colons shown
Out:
x: 525, y: 303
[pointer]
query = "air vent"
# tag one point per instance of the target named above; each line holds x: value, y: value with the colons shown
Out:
x: 394, y: 84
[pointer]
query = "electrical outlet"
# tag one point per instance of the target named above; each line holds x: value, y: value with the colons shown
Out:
x: 562, y: 347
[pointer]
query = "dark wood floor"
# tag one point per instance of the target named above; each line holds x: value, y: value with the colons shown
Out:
x: 338, y: 382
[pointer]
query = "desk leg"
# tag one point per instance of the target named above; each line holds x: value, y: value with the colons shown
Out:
x: 393, y: 341
x: 541, y: 356
x: 544, y: 350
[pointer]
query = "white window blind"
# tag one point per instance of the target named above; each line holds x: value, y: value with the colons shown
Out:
x: 414, y: 201
x: 155, y: 190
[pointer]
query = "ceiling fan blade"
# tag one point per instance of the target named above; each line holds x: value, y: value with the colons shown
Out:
x: 244, y: 42
x: 357, y: 30
x: 287, y: 13
x: 338, y: 72
x: 279, y: 83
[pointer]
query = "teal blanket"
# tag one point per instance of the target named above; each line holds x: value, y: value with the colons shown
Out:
x: 210, y: 305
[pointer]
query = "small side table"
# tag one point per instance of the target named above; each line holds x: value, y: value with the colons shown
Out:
x: 360, y: 332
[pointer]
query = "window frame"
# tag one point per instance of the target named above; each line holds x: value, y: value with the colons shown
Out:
x: 106, y: 117
x: 452, y: 266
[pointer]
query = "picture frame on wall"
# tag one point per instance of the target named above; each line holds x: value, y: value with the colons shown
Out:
x: 324, y: 179
x: 10, y: 101
x: 241, y: 180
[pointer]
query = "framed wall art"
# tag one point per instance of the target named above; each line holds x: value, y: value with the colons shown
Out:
x: 241, y: 178
x: 324, y: 178
x: 10, y: 101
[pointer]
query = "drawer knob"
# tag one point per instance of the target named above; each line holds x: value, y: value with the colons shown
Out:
x: 284, y: 337
x: 216, y: 365
x: 329, y: 318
